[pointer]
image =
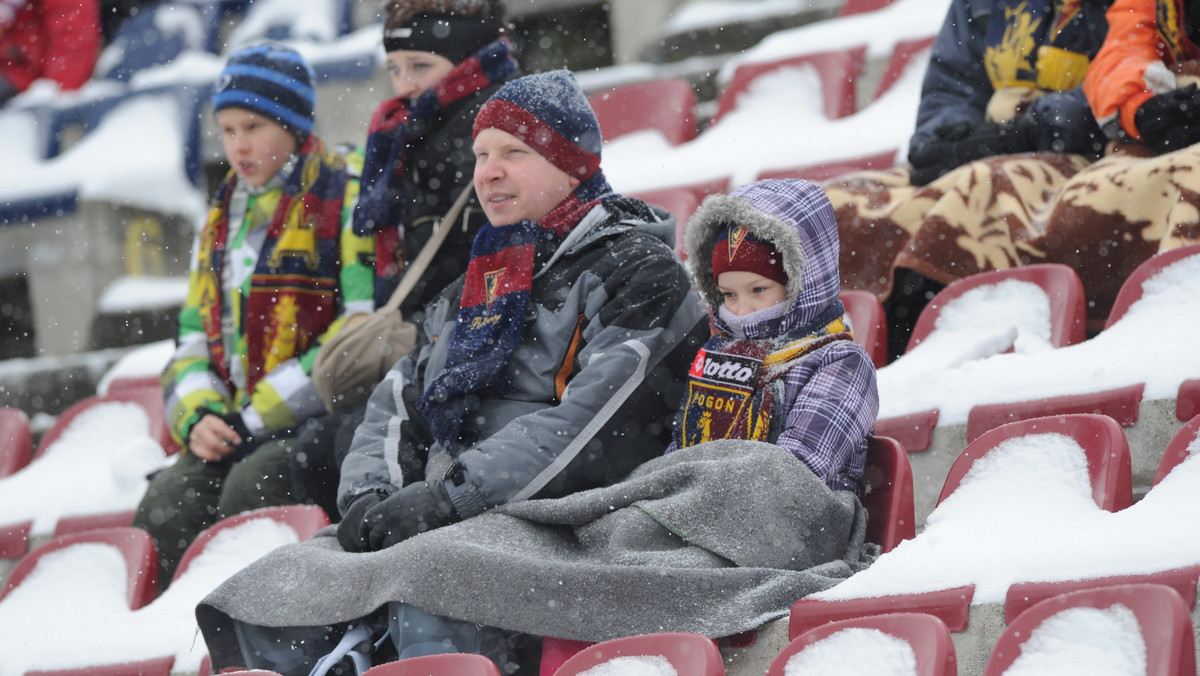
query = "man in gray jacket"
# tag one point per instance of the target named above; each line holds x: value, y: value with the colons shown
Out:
x: 556, y: 364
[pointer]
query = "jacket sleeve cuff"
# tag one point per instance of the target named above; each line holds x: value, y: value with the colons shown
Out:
x: 467, y: 500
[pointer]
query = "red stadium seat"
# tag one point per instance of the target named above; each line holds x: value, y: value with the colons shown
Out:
x: 1131, y: 288
x: 160, y: 666
x: 888, y: 493
x: 135, y: 545
x: 828, y: 169
x: 1068, y: 307
x: 1022, y: 595
x: 16, y: 440
x: 927, y: 635
x: 868, y: 323
x: 903, y: 55
x: 914, y: 431
x: 14, y: 539
x: 1161, y: 614
x: 667, y: 106
x: 448, y: 664
x: 837, y: 70
x: 681, y: 202
x: 1100, y: 437
x: 688, y: 653
x: 306, y: 520
x: 951, y: 606
x: 1177, y: 449
x: 1120, y: 404
x: 1187, y: 402
x: 149, y: 398
x: 859, y: 6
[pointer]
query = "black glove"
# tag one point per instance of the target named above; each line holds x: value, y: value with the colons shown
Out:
x: 1170, y: 121
x: 414, y: 509
x: 934, y: 158
x: 353, y: 528
x: 415, y: 438
x: 249, y: 443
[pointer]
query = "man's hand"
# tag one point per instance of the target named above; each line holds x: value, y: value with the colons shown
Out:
x: 211, y: 438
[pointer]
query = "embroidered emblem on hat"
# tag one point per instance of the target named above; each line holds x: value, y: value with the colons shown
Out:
x: 223, y: 82
x: 737, y: 235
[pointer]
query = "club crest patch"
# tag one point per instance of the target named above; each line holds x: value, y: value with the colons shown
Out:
x: 491, y: 285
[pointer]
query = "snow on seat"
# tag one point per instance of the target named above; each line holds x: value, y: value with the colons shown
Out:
x: 1134, y: 628
x: 134, y: 544
x: 306, y: 520
x: 1133, y: 287
x: 447, y: 664
x: 1178, y: 449
x: 1101, y: 438
x: 836, y: 69
x: 686, y: 653
x: 925, y: 639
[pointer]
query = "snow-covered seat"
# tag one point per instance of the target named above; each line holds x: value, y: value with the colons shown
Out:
x: 158, y: 666
x: 927, y: 636
x: 134, y: 544
x: 1132, y: 287
x: 1163, y: 625
x: 1101, y: 438
x: 306, y: 520
x: 687, y: 653
x: 1022, y: 595
x: 837, y: 69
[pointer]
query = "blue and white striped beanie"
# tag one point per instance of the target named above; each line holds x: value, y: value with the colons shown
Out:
x: 273, y: 81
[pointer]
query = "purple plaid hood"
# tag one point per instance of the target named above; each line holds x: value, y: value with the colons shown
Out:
x: 795, y: 216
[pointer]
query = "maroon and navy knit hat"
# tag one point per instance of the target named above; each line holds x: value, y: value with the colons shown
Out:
x: 736, y: 249
x: 551, y: 114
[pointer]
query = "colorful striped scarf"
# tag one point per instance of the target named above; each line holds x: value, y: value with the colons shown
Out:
x: 294, y: 287
x: 491, y: 314
x: 396, y: 124
x: 735, y: 386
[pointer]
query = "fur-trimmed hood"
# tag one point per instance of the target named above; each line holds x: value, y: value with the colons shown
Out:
x: 796, y: 217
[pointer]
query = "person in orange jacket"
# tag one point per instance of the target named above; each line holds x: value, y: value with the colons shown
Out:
x: 1142, y: 84
x: 57, y: 40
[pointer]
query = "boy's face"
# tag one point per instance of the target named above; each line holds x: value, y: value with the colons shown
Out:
x: 257, y: 148
x: 412, y: 72
x: 747, y: 292
x: 514, y: 182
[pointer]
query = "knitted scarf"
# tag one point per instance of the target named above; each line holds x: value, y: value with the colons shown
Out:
x: 736, y: 385
x: 396, y: 124
x: 492, y: 311
x: 293, y: 289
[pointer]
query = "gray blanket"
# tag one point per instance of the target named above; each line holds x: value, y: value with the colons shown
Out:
x: 714, y: 539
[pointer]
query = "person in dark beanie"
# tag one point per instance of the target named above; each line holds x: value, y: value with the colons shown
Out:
x: 275, y: 271
x: 553, y: 365
x: 444, y: 58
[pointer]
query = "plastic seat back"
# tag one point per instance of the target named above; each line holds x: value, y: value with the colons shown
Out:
x: 16, y: 440
x: 667, y: 106
x: 158, y: 666
x: 927, y: 635
x: 906, y: 54
x: 688, y: 653
x: 867, y: 322
x: 1177, y: 449
x: 681, y: 202
x: 1022, y: 595
x: 838, y: 71
x: 1100, y: 437
x: 1132, y: 287
x: 448, y: 664
x: 1068, y: 306
x: 1163, y: 618
x: 951, y: 606
x: 135, y: 545
x: 888, y: 493
x: 306, y: 520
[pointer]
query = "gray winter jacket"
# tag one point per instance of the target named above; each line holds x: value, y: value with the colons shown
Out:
x: 612, y: 327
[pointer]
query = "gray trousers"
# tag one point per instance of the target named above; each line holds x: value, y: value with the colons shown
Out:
x: 192, y: 495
